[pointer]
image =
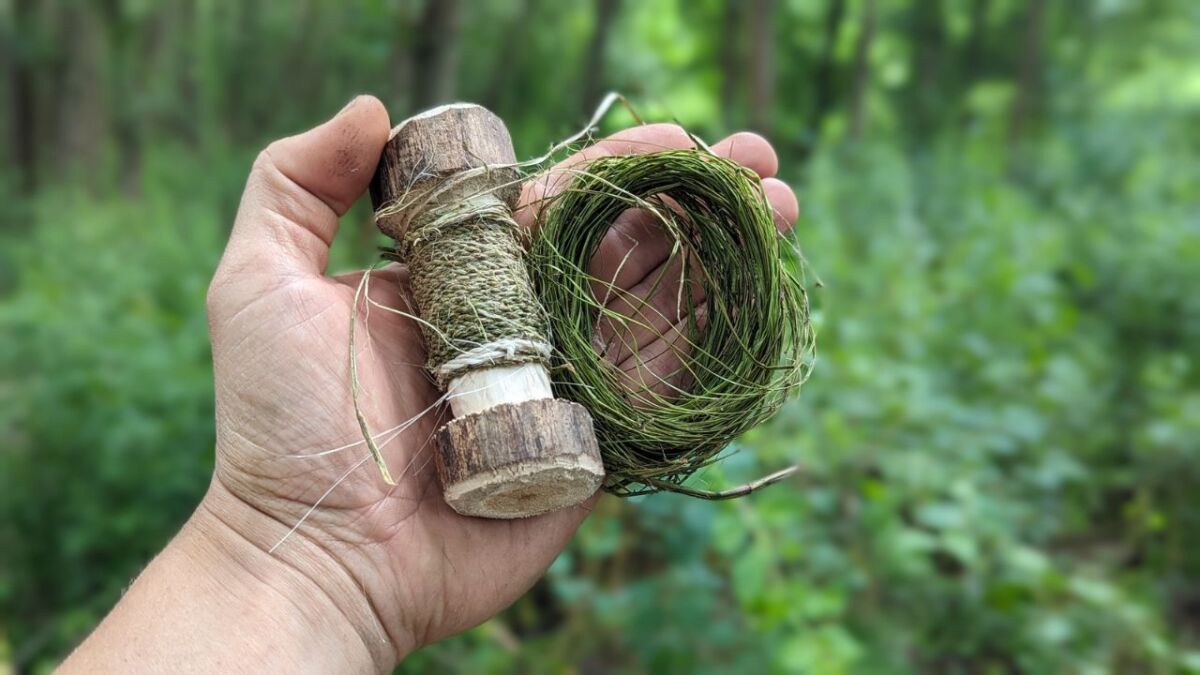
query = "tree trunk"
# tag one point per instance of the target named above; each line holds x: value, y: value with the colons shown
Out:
x: 23, y: 131
x: 594, y: 60
x: 977, y: 41
x: 862, y: 70
x: 401, y: 68
x: 124, y: 65
x: 164, y: 54
x: 732, y: 60
x: 82, y: 106
x: 307, y: 24
x: 930, y: 37
x: 762, y: 64
x: 973, y: 61
x: 435, y: 54
x: 1029, y: 78
x: 823, y: 79
x: 237, y: 117
x: 510, y: 52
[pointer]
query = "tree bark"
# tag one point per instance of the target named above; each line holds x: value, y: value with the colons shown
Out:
x: 23, y: 130
x: 400, y: 96
x: 823, y: 79
x: 977, y: 40
x: 511, y: 451
x: 517, y: 460
x: 435, y: 53
x: 510, y: 53
x: 974, y: 62
x: 83, y: 110
x: 732, y: 60
x: 125, y: 61
x: 862, y: 70
x: 594, y: 80
x: 762, y: 64
x: 1029, y: 77
x: 167, y: 53
x: 930, y: 37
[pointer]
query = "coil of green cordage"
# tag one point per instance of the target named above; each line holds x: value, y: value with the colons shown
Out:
x: 752, y: 347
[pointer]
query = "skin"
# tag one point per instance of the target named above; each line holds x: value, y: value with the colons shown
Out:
x: 377, y: 571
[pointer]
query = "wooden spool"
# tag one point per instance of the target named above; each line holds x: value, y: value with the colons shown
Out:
x: 513, y: 450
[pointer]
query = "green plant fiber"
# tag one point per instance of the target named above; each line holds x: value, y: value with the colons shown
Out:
x: 741, y: 348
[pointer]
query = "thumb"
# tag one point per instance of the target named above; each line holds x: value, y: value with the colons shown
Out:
x: 297, y: 189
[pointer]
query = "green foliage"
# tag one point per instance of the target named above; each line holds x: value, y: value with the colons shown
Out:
x: 106, y: 403
x: 1001, y: 438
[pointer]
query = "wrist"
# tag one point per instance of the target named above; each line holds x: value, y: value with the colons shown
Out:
x: 215, y: 601
x: 327, y: 610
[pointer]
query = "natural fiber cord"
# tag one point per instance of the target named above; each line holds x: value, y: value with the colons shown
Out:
x: 464, y: 257
x: 754, y: 347
x: 739, y: 355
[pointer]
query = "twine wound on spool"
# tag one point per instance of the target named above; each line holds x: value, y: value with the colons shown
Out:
x: 488, y: 318
x: 444, y: 190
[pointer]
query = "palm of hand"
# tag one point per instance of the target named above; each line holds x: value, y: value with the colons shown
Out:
x: 280, y: 333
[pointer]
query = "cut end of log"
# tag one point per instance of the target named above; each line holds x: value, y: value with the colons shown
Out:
x: 530, y: 489
x: 517, y: 460
x: 432, y: 112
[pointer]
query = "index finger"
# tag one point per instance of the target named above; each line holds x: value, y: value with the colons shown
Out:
x: 748, y: 149
x: 632, y: 141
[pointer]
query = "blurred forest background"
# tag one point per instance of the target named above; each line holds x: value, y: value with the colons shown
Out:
x: 1002, y: 198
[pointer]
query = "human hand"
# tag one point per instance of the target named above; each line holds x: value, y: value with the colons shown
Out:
x: 391, y: 567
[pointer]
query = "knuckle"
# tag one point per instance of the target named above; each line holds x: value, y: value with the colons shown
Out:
x: 665, y: 128
x: 216, y: 298
x: 265, y: 169
x: 674, y: 133
x: 212, y: 298
x: 265, y: 160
